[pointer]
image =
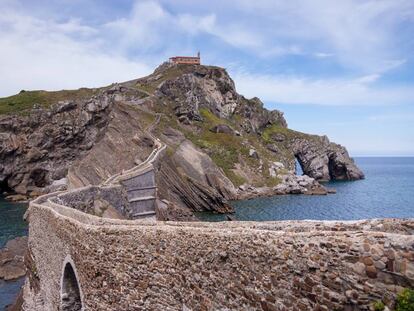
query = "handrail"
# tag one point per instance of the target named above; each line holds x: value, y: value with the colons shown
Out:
x: 142, y: 167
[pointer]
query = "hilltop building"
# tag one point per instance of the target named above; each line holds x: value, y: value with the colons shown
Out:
x: 186, y: 59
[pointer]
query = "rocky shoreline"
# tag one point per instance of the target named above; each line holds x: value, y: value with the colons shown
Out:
x: 291, y: 184
x: 12, y: 259
x: 13, y: 266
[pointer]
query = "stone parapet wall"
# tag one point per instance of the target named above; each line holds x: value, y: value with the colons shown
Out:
x: 83, y: 199
x: 295, y: 265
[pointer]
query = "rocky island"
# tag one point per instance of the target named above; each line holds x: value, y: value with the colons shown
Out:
x: 220, y: 145
x: 102, y: 165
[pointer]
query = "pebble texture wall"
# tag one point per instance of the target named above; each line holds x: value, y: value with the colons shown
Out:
x: 137, y: 265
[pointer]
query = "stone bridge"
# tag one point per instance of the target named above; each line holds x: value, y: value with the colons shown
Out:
x: 78, y: 261
x: 82, y: 258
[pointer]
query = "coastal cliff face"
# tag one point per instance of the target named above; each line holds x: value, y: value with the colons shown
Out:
x: 220, y: 145
x: 37, y: 149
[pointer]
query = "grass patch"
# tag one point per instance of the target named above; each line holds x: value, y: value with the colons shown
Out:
x: 224, y: 149
x: 25, y: 100
x: 236, y: 179
x: 146, y: 87
x: 275, y: 129
x: 405, y: 300
x: 210, y: 118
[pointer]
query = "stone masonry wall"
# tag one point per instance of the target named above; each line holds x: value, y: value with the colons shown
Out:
x: 133, y: 265
x: 83, y: 198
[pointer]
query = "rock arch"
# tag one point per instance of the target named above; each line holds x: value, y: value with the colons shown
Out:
x: 71, y: 295
x: 299, y: 166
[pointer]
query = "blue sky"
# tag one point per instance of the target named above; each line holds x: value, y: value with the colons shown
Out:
x: 342, y: 68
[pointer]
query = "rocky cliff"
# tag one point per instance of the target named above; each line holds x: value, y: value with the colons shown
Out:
x: 221, y: 145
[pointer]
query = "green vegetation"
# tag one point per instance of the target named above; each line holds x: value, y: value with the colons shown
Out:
x: 237, y: 180
x: 211, y: 119
x: 405, y: 300
x: 146, y: 88
x: 228, y: 149
x: 26, y: 100
x: 378, y: 306
x: 275, y: 129
x: 224, y: 149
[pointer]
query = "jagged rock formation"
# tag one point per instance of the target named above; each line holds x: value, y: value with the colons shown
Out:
x: 37, y: 150
x: 12, y: 259
x: 324, y: 160
x: 220, y: 145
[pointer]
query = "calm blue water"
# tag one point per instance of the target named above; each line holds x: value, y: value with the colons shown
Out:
x: 11, y: 225
x: 387, y: 191
x: 11, y: 220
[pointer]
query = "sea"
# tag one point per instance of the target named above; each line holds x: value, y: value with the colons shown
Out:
x: 386, y: 192
x: 11, y: 225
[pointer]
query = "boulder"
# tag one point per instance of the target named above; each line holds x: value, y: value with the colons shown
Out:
x: 278, y: 137
x: 16, y: 197
x: 222, y: 128
x: 12, y: 259
x: 273, y: 148
x: 253, y: 153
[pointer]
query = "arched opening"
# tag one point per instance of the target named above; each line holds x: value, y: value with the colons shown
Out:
x: 337, y: 171
x: 71, y: 296
x: 4, y: 187
x: 38, y: 175
x: 298, y: 167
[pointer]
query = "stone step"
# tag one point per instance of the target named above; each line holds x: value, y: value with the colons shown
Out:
x: 143, y: 214
x: 141, y: 199
x: 141, y: 188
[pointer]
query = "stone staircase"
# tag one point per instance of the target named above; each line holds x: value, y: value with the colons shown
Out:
x: 139, y: 182
x: 142, y: 193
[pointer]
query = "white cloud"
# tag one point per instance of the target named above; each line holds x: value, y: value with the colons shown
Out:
x: 196, y: 24
x: 336, y: 92
x: 142, y: 27
x: 359, y: 33
x: 39, y: 54
x: 323, y: 55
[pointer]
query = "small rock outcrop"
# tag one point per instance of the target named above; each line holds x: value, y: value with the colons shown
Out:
x: 256, y: 117
x: 324, y: 160
x: 222, y: 128
x: 12, y: 259
x: 209, y: 87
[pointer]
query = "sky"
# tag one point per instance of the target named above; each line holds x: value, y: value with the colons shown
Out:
x: 339, y: 68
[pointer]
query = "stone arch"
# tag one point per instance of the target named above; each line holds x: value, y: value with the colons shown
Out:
x: 71, y: 298
x: 337, y: 170
x: 299, y: 166
x: 4, y: 186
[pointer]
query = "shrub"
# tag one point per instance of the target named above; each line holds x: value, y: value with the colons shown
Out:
x: 405, y: 300
x: 379, y: 306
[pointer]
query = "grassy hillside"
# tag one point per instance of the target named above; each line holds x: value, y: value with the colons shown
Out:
x: 26, y: 100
